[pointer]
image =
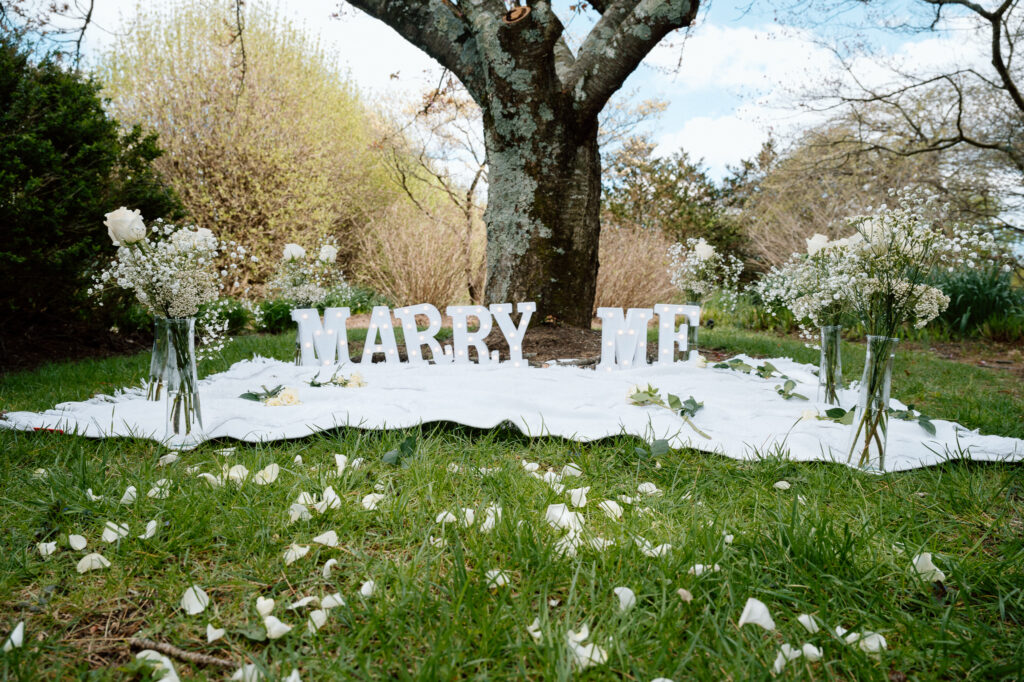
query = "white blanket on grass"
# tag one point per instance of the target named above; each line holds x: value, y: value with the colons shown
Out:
x: 743, y: 414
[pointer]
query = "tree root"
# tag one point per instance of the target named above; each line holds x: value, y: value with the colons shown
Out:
x: 180, y: 654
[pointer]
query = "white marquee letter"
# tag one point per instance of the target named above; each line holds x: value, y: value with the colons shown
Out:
x: 462, y: 339
x: 319, y: 342
x: 416, y: 338
x: 668, y: 335
x: 623, y: 340
x: 513, y: 334
x: 380, y: 325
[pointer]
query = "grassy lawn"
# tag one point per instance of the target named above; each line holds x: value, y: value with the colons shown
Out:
x: 837, y: 544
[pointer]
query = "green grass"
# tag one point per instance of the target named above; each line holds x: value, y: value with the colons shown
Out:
x: 838, y: 544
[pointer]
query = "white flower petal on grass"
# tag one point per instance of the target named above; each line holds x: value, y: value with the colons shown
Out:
x: 92, y: 562
x: 17, y: 637
x: 371, y: 501
x: 194, y: 600
x: 571, y: 470
x: 756, y: 613
x: 328, y: 565
x: 559, y: 516
x: 330, y: 500
x: 568, y: 545
x: 46, y: 548
x: 530, y: 466
x: 649, y: 550
x: 275, y: 628
x: 627, y: 598
x: 297, y: 460
x: 316, y: 620
x: 293, y: 676
x: 357, y: 463
x: 130, y: 495
x: 340, y: 462
x: 150, y: 531
x: 925, y: 568
x: 93, y: 497
x: 648, y: 489
x: 492, y: 515
x: 304, y: 602
x: 685, y: 595
x: 193, y: 469
x: 869, y: 642
x: 237, y: 473
x: 727, y: 538
x: 453, y: 468
x: 611, y: 509
x: 534, y: 630
x: 445, y: 517
x: 305, y: 499
x: 811, y: 652
x: 578, y: 496
x: 468, y: 516
x: 160, y: 490
x: 40, y: 474
x: 294, y: 553
x: 700, y: 569
x: 439, y: 543
x: 497, y: 578
x: 248, y: 673
x: 167, y: 459
x: 332, y: 601
x: 77, y: 542
x: 298, y: 512
x: 328, y: 539
x: 224, y: 452
x: 781, y: 485
x: 214, y: 481
x: 487, y: 471
x: 786, y: 654
x: 584, y: 656
x: 599, y: 544
x: 267, y: 474
x: 809, y: 622
x: 626, y: 499
x: 264, y: 607
x: 112, y: 532
x: 213, y: 634
x: 159, y: 663
x: 368, y: 589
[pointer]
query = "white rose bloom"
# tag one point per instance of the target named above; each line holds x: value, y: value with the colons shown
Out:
x: 125, y: 227
x: 816, y: 243
x: 703, y: 250
x: 293, y: 252
x: 328, y: 253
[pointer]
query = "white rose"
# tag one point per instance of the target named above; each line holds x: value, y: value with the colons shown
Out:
x: 293, y: 252
x: 816, y: 243
x: 328, y: 253
x: 703, y: 250
x: 125, y: 227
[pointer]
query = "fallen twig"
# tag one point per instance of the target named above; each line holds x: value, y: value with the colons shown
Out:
x: 181, y: 654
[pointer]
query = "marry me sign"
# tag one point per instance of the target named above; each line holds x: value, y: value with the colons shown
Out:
x: 324, y: 341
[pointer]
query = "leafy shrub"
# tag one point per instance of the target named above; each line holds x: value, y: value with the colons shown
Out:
x: 275, y: 316
x: 978, y: 297
x: 63, y: 164
x: 358, y: 299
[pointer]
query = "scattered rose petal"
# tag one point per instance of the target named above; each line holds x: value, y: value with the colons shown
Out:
x: 453, y: 468
x: 160, y: 490
x: 224, y: 451
x: 685, y: 595
x: 600, y: 544
x: 809, y: 622
x: 755, y: 612
x: 298, y: 512
x: 275, y: 628
x: 328, y: 539
x: 316, y: 620
x: 194, y: 600
x: 648, y: 489
x: 559, y: 516
x: 487, y: 471
x: 330, y: 500
x: 213, y: 634
x: 340, y: 462
x: 368, y: 589
x: 445, y: 517
x: 786, y: 654
x: 294, y: 553
x: 554, y: 602
x: 192, y: 469
x: 650, y: 551
x: 571, y: 470
x: 530, y: 466
x: 439, y: 543
x: 357, y: 463
x: 267, y: 474
x: 264, y: 607
x: 304, y: 602
x: 700, y: 569
x: 492, y: 515
x: 328, y: 565
x: 727, y: 538
x: 17, y: 637
x: 40, y: 474
x: 626, y: 499
x: 497, y: 578
x: 150, y: 531
x: 332, y: 601
x: 93, y: 497
x: 112, y: 532
x: 159, y: 662
x: 584, y: 656
x: 568, y: 544
x: 248, y: 673
x: 46, y: 548
x: 869, y: 642
x: 167, y: 459
x: 468, y: 516
x: 214, y: 481
x: 77, y: 542
x: 293, y: 676
x: 811, y: 652
x: 92, y: 562
x: 534, y: 630
x: 781, y: 485
x: 925, y: 568
x: 627, y: 598
x: 611, y: 509
x: 130, y: 494
x: 371, y: 501
x: 578, y: 496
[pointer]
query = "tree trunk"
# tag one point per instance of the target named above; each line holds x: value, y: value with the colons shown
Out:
x: 543, y: 216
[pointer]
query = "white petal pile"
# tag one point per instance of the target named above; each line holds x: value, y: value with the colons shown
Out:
x: 627, y: 598
x: 756, y: 613
x: 294, y: 553
x: 298, y: 512
x: 559, y: 516
x: 194, y: 600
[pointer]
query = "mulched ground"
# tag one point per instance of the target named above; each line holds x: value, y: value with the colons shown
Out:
x: 33, y: 346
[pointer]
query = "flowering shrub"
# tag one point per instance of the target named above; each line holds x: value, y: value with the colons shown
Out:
x: 303, y: 282
x: 698, y: 269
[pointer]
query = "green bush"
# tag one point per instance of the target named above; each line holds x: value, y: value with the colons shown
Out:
x: 63, y: 164
x: 980, y: 298
x: 357, y: 299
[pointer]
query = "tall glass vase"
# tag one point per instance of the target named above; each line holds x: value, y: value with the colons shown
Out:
x: 830, y: 368
x: 157, y: 360
x: 871, y: 420
x: 692, y: 330
x: 184, y: 418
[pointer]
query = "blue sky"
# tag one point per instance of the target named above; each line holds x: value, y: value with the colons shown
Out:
x: 739, y: 79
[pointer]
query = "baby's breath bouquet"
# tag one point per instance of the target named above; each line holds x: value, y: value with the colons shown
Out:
x: 698, y: 269
x: 173, y: 271
x: 306, y: 282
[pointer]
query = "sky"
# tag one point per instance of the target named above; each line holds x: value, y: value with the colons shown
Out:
x: 731, y: 81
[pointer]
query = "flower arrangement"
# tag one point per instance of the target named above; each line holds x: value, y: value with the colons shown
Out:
x: 307, y: 282
x: 698, y: 270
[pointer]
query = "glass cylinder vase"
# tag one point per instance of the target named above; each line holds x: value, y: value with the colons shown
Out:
x: 871, y: 419
x: 157, y: 360
x: 830, y: 367
x: 693, y: 330
x: 184, y: 418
